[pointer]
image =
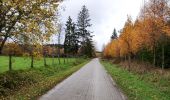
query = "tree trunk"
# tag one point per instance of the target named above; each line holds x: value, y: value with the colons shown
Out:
x: 53, y: 60
x: 163, y: 56
x: 2, y: 44
x: 122, y: 59
x: 64, y: 60
x: 67, y: 58
x: 129, y: 62
x: 10, y: 62
x: 154, y: 56
x: 8, y: 32
x: 142, y: 57
x: 45, y: 63
x: 32, y: 61
x: 59, y: 60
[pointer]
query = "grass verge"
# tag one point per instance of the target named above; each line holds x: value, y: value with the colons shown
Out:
x: 32, y: 83
x: 135, y: 86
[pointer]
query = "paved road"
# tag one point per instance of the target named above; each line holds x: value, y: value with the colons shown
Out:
x: 89, y: 83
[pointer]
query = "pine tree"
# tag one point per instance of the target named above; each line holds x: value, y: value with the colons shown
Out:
x: 114, y: 35
x: 74, y: 40
x: 71, y: 38
x: 88, y: 48
x: 85, y: 37
x: 83, y: 23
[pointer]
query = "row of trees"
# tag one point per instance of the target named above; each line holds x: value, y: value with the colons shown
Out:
x: 26, y: 27
x: 146, y: 39
x: 78, y: 38
x: 27, y: 24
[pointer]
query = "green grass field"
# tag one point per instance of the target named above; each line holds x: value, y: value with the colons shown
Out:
x: 25, y: 83
x: 20, y: 63
x: 139, y: 87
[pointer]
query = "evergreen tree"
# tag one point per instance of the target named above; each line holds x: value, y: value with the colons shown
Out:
x: 83, y: 22
x: 74, y: 40
x: 88, y: 48
x: 114, y: 35
x: 71, y: 38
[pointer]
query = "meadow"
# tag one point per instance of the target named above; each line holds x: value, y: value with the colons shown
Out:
x: 21, y: 63
x: 25, y: 83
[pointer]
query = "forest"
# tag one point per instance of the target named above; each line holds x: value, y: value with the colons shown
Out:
x: 147, y: 39
x: 138, y: 58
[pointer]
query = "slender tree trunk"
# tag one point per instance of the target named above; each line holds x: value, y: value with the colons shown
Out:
x: 122, y: 59
x: 154, y: 56
x: 142, y: 57
x: 45, y: 62
x: 8, y: 32
x: 2, y: 44
x: 32, y: 61
x: 129, y: 62
x: 163, y: 56
x: 67, y: 58
x: 59, y: 60
x: 64, y: 60
x: 10, y: 62
x: 59, y: 47
x: 53, y: 60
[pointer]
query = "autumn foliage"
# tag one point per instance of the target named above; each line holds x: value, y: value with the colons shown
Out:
x: 147, y: 38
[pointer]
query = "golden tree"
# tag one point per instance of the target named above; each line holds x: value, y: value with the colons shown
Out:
x: 126, y: 38
x: 17, y: 16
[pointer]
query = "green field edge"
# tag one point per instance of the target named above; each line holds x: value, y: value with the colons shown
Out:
x: 34, y: 91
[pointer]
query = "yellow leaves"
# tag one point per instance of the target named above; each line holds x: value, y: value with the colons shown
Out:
x: 38, y: 55
x: 145, y: 33
x: 115, y: 47
x: 25, y: 55
x: 34, y: 14
x: 112, y: 49
x: 123, y: 47
x: 166, y: 30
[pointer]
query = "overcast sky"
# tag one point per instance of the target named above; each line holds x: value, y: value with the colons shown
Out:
x: 105, y: 15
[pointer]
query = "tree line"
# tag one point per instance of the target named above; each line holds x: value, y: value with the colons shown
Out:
x: 146, y: 39
x: 27, y: 26
x: 78, y: 38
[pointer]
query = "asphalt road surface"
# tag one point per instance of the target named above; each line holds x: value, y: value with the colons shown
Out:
x: 89, y: 83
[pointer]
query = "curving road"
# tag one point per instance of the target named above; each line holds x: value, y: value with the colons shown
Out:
x: 89, y: 83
